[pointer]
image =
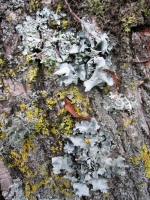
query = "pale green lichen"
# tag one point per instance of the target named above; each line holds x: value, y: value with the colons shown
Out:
x: 92, y: 159
x: 60, y: 46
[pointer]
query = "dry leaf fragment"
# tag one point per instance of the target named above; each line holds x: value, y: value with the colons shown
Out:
x: 72, y: 111
x: 114, y: 78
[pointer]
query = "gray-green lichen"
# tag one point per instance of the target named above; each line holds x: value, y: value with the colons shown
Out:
x: 76, y: 54
x: 116, y: 102
x: 93, y: 164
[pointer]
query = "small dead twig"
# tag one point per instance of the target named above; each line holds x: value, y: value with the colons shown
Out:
x: 140, y: 61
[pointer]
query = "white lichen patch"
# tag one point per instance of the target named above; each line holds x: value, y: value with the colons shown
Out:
x: 99, y: 75
x: 116, y: 102
x: 75, y: 53
x: 15, y: 191
x: 93, y: 165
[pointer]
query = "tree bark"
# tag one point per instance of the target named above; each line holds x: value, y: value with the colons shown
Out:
x: 27, y: 155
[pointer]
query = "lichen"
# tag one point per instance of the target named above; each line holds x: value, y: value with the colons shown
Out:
x: 92, y: 163
x: 34, y: 4
x: 144, y: 156
x: 116, y: 102
x: 60, y: 46
x: 127, y: 22
x: 39, y: 123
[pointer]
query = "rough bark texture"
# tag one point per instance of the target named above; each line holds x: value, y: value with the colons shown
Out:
x: 27, y: 154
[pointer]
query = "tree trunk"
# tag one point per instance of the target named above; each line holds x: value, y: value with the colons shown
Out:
x: 42, y: 111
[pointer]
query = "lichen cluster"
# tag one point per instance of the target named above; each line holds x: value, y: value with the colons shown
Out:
x: 92, y: 165
x: 38, y: 118
x: 144, y: 156
x: 75, y: 54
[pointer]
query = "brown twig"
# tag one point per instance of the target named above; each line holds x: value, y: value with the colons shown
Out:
x: 140, y: 61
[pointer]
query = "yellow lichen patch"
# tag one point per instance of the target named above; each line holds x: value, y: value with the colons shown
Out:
x: 34, y: 4
x: 12, y: 73
x: 87, y: 141
x: 106, y: 195
x: 22, y: 107
x: 1, y: 62
x: 6, y: 93
x: 20, y: 159
x: 127, y: 22
x: 64, y: 122
x: 10, y: 17
x: 125, y: 64
x: 128, y: 122
x: 50, y: 102
x: 61, y: 185
x: 132, y: 86
x: 28, y: 58
x: 43, y: 93
x: 135, y: 160
x: 140, y: 186
x: 107, y: 88
x: 42, y: 125
x: 67, y: 125
x: 32, y: 113
x: 38, y: 118
x: 64, y: 24
x: 2, y: 135
x: 32, y: 74
x: 145, y: 157
x: 58, y: 10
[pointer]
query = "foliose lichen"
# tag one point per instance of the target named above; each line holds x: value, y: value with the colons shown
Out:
x: 76, y: 54
x: 71, y: 55
x: 91, y: 148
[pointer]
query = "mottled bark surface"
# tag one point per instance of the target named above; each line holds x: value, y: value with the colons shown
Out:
x: 27, y: 154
